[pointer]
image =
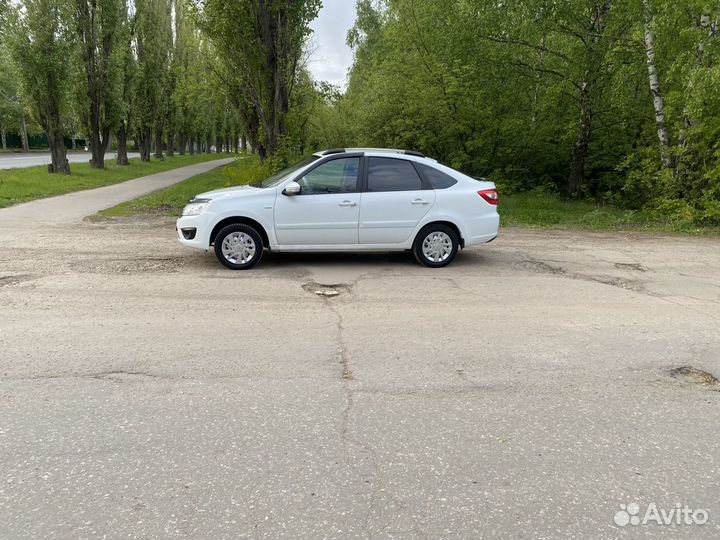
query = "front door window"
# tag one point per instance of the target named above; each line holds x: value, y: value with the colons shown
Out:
x: 336, y: 176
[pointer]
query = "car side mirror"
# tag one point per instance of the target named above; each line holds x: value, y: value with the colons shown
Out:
x: 293, y: 188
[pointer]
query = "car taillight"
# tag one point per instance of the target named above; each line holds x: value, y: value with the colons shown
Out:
x: 490, y: 195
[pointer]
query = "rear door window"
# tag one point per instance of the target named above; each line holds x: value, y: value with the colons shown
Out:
x: 389, y: 174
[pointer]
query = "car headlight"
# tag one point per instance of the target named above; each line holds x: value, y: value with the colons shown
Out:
x: 196, y: 207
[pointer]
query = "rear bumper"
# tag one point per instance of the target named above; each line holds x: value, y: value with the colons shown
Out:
x: 483, y: 229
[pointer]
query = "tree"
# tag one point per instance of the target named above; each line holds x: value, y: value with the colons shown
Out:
x: 41, y: 46
x: 190, y: 72
x: 99, y: 26
x: 127, y: 67
x: 654, y: 80
x: 12, y: 113
x: 592, y: 98
x: 260, y: 44
x: 151, y: 23
x: 164, y: 42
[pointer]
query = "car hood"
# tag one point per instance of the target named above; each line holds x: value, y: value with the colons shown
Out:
x: 227, y: 192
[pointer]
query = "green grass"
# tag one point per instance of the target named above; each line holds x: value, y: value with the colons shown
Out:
x: 170, y: 201
x: 542, y: 210
x: 20, y: 185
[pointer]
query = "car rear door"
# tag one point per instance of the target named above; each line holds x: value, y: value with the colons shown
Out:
x: 393, y: 201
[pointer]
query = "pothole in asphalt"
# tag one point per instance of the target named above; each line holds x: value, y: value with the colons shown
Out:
x: 170, y: 264
x: 627, y: 284
x: 693, y: 375
x: 632, y: 266
x: 131, y: 266
x: 325, y: 290
x: 541, y: 267
x: 124, y: 376
x: 14, y: 280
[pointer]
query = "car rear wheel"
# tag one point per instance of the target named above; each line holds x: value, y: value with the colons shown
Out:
x: 238, y: 246
x: 436, y: 246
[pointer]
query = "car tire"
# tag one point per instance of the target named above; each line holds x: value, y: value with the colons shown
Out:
x: 436, y: 245
x: 238, y: 246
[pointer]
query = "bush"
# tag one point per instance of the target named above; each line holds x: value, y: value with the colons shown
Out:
x: 246, y: 171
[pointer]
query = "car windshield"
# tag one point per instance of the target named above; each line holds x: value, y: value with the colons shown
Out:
x: 276, y: 178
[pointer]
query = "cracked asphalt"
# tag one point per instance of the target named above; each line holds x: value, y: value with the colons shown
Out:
x: 526, y: 391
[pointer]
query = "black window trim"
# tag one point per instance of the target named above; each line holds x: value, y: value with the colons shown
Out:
x: 333, y: 157
x: 366, y: 171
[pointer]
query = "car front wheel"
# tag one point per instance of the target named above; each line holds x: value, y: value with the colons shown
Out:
x: 436, y: 246
x: 238, y: 247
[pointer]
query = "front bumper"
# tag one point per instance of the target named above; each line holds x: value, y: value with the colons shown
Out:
x: 185, y: 227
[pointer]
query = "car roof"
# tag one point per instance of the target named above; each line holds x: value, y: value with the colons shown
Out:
x: 374, y: 152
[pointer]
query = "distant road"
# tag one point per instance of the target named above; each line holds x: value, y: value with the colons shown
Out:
x: 16, y: 161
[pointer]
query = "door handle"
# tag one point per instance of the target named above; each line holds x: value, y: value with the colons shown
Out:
x: 420, y: 201
x: 347, y: 203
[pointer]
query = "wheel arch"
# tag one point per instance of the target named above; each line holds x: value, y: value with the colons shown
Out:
x: 244, y: 220
x: 450, y: 224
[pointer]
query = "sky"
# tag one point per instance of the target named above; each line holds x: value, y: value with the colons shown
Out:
x: 332, y: 57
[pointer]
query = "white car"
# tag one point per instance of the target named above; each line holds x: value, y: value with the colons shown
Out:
x: 346, y: 200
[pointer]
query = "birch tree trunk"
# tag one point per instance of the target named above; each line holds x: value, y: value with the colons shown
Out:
x: 3, y: 136
x: 658, y: 102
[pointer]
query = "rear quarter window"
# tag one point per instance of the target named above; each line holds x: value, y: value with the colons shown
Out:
x: 437, y: 179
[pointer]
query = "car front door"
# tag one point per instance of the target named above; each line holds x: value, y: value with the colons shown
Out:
x: 327, y: 208
x: 393, y: 201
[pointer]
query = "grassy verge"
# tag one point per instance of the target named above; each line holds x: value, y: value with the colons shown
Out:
x: 20, y: 185
x: 541, y: 210
x: 170, y: 201
x: 529, y: 210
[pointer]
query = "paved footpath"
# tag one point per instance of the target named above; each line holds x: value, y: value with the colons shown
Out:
x: 75, y: 206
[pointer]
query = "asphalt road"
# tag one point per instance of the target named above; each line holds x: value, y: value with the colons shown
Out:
x: 526, y: 391
x: 15, y: 161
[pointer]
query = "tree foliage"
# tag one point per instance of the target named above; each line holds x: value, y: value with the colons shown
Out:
x: 259, y: 46
x: 548, y: 95
x: 11, y: 109
x: 152, y: 42
x: 100, y: 31
x: 40, y: 41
